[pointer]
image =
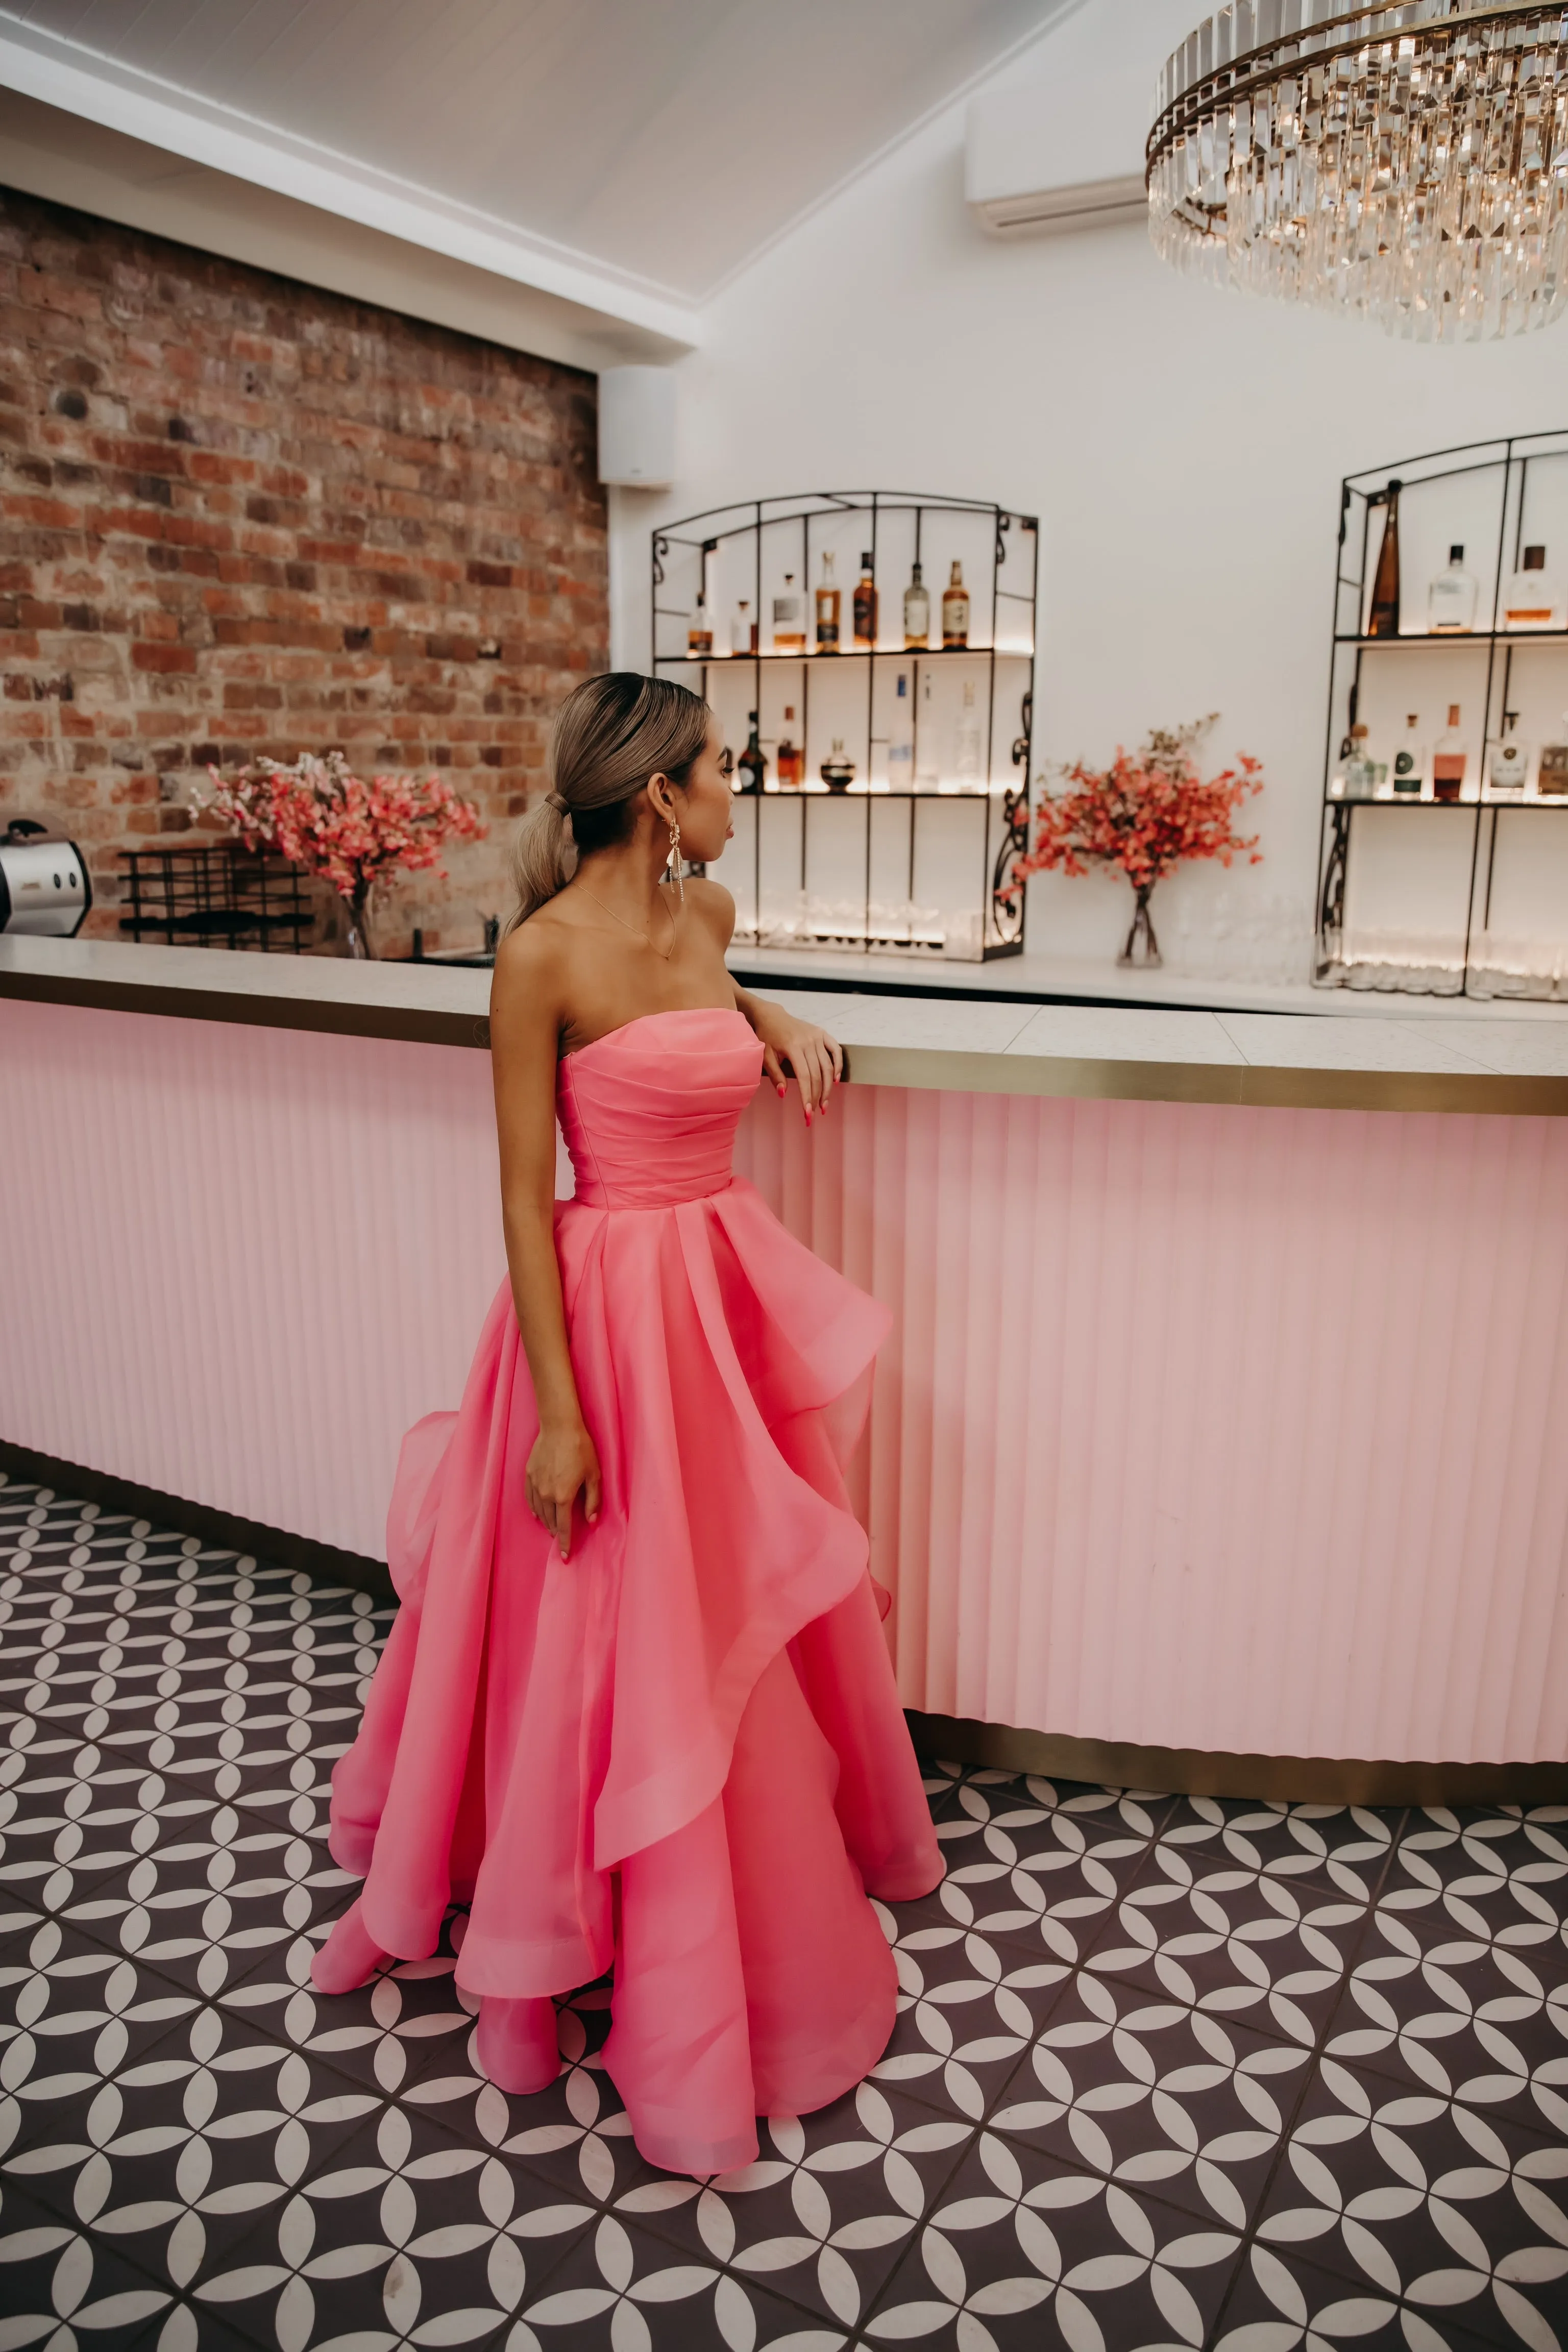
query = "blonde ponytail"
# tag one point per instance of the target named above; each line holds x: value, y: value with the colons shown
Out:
x: 611, y: 734
x: 544, y: 857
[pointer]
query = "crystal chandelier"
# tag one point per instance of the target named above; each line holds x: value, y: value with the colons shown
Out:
x: 1408, y: 162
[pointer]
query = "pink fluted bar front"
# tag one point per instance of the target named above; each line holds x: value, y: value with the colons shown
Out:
x: 1199, y: 1427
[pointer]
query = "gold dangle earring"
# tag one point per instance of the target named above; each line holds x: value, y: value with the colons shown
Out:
x: 672, y: 863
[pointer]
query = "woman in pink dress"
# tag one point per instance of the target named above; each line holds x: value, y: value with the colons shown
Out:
x: 636, y: 1708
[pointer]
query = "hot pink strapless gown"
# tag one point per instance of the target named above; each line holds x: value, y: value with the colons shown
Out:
x: 695, y: 1714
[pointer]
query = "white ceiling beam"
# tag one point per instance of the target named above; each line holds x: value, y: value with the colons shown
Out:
x: 141, y: 106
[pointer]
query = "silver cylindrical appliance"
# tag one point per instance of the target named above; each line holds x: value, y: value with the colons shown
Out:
x: 44, y: 884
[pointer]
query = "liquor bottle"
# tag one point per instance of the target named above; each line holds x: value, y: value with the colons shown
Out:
x: 928, y: 761
x: 828, y: 597
x: 751, y: 765
x: 789, y: 623
x: 1508, y: 770
x: 1451, y: 599
x: 1383, y: 621
x: 1410, y: 762
x: 1449, y: 760
x: 1533, y: 599
x: 901, y: 735
x: 700, y: 635
x: 956, y: 613
x: 866, y: 602
x: 1361, y: 773
x: 917, y: 612
x: 969, y: 743
x: 791, y: 760
x: 1552, y: 776
x: 743, y: 635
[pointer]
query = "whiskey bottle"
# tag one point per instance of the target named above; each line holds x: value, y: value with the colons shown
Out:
x: 917, y: 613
x: 1449, y: 760
x: 1383, y: 621
x: 789, y: 623
x: 791, y: 762
x: 1451, y: 599
x: 866, y: 601
x: 743, y: 635
x: 969, y: 742
x: 1531, y: 599
x: 828, y: 597
x: 956, y: 613
x: 751, y: 765
x: 1552, y: 776
x: 901, y: 735
x: 700, y: 635
x: 1410, y: 762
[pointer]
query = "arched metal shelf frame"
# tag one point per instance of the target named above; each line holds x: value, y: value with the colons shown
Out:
x: 1497, y: 497
x: 756, y: 541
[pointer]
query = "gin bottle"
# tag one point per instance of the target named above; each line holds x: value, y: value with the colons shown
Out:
x: 1451, y: 599
x: 917, y: 612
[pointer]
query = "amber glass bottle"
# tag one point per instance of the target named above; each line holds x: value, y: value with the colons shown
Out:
x: 1383, y: 621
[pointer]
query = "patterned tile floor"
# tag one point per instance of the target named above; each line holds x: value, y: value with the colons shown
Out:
x: 1168, y: 2072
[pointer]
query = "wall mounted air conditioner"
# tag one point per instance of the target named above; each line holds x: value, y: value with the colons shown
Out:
x: 1086, y: 203
x: 1056, y: 143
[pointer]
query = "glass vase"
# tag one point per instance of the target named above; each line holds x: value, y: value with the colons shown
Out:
x: 1140, y: 948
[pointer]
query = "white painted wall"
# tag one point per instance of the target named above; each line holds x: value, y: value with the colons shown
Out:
x: 1182, y: 447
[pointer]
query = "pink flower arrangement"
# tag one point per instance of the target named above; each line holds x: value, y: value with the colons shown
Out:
x: 1146, y: 814
x: 318, y: 813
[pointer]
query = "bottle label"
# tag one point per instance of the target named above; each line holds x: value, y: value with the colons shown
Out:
x: 787, y: 612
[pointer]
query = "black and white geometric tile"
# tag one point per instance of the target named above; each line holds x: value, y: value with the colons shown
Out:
x: 1168, y: 2072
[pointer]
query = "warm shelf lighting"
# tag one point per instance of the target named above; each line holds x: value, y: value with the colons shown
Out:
x: 1406, y: 161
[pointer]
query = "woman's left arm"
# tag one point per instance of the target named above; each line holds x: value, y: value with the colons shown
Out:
x: 791, y: 1048
x: 794, y: 1048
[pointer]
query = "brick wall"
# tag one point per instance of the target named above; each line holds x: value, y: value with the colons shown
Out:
x: 238, y: 515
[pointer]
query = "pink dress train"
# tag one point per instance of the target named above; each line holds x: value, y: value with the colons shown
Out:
x: 682, y: 1750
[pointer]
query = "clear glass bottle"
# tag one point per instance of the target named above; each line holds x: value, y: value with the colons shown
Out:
x: 956, y: 613
x: 1533, y: 599
x: 928, y: 748
x: 1383, y: 618
x: 743, y: 631
x: 1361, y: 773
x: 1552, y: 776
x: 790, y: 762
x: 752, y: 766
x: 1508, y: 767
x: 827, y: 604
x: 700, y: 635
x: 901, y: 734
x: 789, y: 619
x: 917, y: 612
x: 1451, y: 599
x: 969, y: 742
x: 865, y: 605
x: 1410, y: 762
x: 1449, y: 760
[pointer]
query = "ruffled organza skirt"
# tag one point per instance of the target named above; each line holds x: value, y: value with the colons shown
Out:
x: 680, y: 1752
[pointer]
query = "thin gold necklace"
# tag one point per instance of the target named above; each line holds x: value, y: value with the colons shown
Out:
x: 645, y: 937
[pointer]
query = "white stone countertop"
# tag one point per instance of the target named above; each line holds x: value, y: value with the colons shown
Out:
x: 1441, y: 1059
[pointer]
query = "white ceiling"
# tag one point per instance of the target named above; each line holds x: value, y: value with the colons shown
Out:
x: 663, y: 143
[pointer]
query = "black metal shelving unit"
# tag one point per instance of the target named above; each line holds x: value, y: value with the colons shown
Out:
x: 924, y: 868
x: 1465, y: 896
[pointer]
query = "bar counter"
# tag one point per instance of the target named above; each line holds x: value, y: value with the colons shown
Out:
x: 1217, y: 1443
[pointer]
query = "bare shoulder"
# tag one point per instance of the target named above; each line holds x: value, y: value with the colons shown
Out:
x: 531, y: 966
x: 713, y: 906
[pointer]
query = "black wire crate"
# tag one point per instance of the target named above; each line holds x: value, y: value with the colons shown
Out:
x: 216, y: 894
